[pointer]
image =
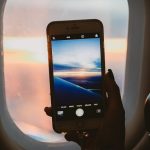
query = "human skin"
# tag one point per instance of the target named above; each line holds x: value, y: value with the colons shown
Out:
x: 111, y: 132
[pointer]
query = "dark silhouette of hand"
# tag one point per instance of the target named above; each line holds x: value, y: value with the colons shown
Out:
x: 111, y: 132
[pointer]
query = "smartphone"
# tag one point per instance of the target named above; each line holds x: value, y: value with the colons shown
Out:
x: 76, y: 69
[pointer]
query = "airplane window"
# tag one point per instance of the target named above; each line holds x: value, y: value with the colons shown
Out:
x: 25, y: 54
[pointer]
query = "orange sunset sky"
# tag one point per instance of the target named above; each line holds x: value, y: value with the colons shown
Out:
x: 25, y: 54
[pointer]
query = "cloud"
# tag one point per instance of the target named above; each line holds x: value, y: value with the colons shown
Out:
x: 24, y: 18
x: 76, y: 52
x: 58, y: 67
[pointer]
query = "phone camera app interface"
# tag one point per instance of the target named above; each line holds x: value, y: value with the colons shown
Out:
x: 77, y: 75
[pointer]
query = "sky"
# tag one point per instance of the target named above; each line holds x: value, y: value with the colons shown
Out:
x: 79, y: 53
x: 25, y: 53
x: 32, y: 18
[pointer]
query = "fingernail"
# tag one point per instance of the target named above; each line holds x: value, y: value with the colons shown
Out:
x: 111, y: 75
x: 48, y: 111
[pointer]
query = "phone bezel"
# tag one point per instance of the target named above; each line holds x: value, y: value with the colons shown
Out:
x: 74, y: 27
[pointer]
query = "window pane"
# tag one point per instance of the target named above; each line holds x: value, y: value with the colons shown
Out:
x: 25, y: 54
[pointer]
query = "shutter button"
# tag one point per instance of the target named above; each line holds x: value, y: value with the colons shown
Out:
x: 79, y: 112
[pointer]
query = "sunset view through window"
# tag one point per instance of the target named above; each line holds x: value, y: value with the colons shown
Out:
x: 25, y: 54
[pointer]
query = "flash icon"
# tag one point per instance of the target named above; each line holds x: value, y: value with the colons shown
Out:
x: 96, y: 35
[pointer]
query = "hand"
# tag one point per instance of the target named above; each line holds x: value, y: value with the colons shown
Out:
x: 111, y: 132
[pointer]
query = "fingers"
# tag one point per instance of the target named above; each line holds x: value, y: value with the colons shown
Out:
x: 72, y: 136
x: 75, y: 136
x: 113, y: 91
x: 111, y: 75
x: 110, y: 84
x: 48, y: 111
x: 111, y: 87
x: 82, y: 138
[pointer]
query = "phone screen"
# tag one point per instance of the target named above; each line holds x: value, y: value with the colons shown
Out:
x: 77, y: 75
